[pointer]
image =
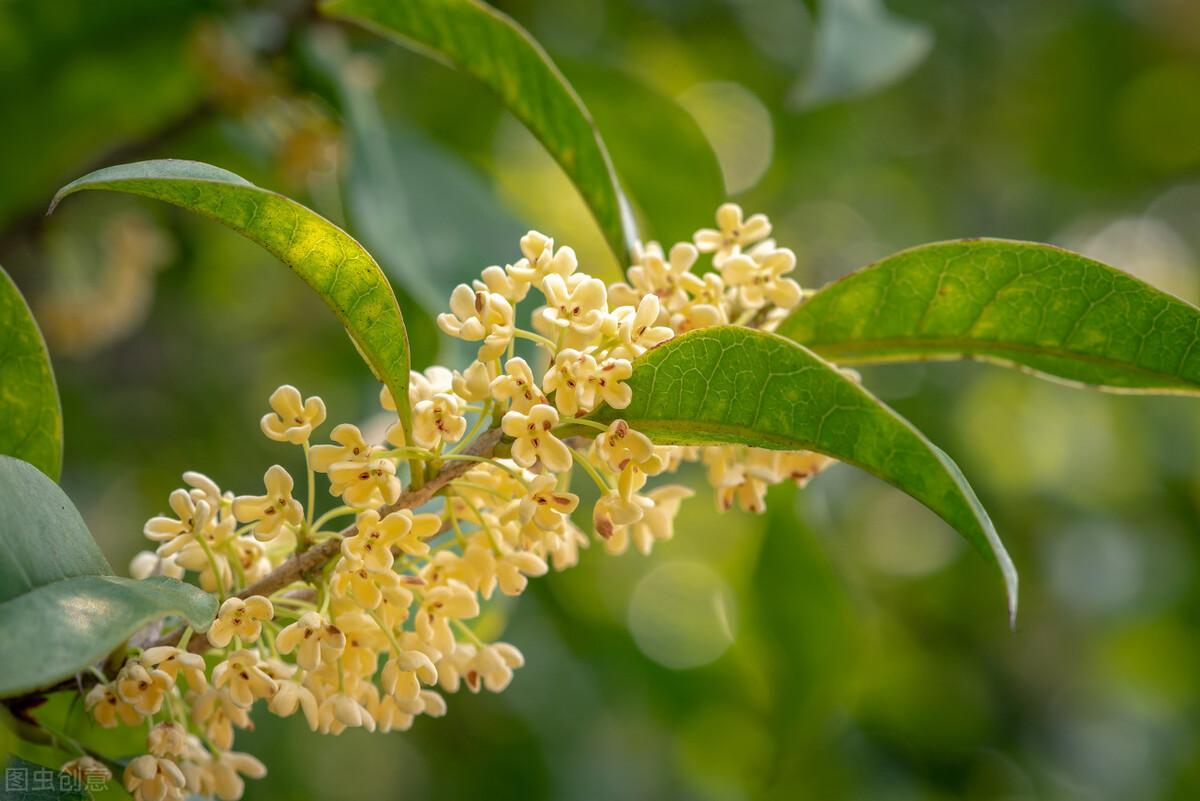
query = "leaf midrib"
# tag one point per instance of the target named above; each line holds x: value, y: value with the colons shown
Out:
x: 838, y: 352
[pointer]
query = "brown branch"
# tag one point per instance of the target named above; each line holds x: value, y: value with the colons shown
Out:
x: 318, y: 555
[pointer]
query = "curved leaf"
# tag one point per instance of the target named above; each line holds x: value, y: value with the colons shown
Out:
x: 1031, y: 306
x: 58, y: 629
x: 494, y: 49
x: 30, y: 414
x: 42, y: 537
x: 736, y: 385
x: 61, y: 609
x: 341, y: 271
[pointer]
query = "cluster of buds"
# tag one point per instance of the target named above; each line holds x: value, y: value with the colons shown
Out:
x: 376, y: 634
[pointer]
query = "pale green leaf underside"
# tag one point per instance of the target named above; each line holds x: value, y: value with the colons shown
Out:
x: 42, y: 537
x: 736, y: 385
x: 58, y: 629
x: 336, y: 266
x: 1021, y: 304
x: 498, y: 52
x: 30, y: 414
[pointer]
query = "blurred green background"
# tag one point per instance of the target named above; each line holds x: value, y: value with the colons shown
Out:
x: 844, y: 646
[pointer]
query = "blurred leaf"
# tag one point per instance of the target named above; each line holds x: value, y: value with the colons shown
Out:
x: 42, y: 537
x: 736, y: 385
x: 62, y: 608
x: 497, y: 51
x: 29, y: 404
x: 58, y: 785
x: 57, y: 630
x: 326, y: 257
x: 1031, y: 306
x: 859, y: 48
x: 653, y: 138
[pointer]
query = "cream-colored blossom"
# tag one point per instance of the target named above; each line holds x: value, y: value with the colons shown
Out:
x: 733, y: 233
x: 437, y: 420
x: 350, y: 447
x: 273, y: 510
x: 450, y: 601
x: 479, y: 316
x: 166, y: 739
x: 151, y: 778
x: 576, y: 311
x: 292, y: 418
x: 109, y: 709
x: 240, y: 618
x: 89, y: 771
x: 517, y: 385
x: 242, y: 676
x: 365, y: 485
x: 142, y: 688
x: 533, y: 440
x: 175, y: 661
x: 315, y: 640
x: 544, y: 504
x: 761, y: 280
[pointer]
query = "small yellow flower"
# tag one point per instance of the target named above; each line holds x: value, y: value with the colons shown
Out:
x: 243, y: 678
x: 350, y: 447
x: 477, y: 667
x: 545, y: 505
x: 474, y: 384
x: 532, y: 440
x: 541, y: 260
x: 439, y: 419
x: 151, y: 778
x: 174, y: 661
x: 290, y: 696
x: 404, y: 672
x: 273, y: 510
x: 227, y: 769
x: 293, y: 418
x: 143, y: 688
x: 314, y: 639
x: 638, y: 328
x: 166, y: 739
x: 760, y: 278
x: 240, y: 618
x: 341, y: 711
x: 614, y: 511
x: 192, y: 518
x: 109, y: 709
x: 658, y: 521
x: 450, y: 601
x: 566, y: 378
x: 517, y: 385
x: 374, y: 538
x: 479, y: 315
x: 365, y: 485
x: 577, y: 310
x: 606, y: 384
x: 218, y: 713
x: 621, y: 446
x: 733, y: 233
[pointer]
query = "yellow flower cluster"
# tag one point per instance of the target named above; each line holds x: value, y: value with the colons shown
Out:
x: 373, y: 637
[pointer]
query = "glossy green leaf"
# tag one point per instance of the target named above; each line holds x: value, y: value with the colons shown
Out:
x: 1030, y: 306
x: 736, y: 385
x: 30, y: 415
x: 42, y: 537
x: 61, y: 609
x: 495, y: 50
x: 337, y: 267
x: 58, y: 629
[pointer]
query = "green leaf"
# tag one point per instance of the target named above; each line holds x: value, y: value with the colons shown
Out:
x: 339, y: 269
x: 1030, y: 306
x: 736, y: 385
x: 42, y: 537
x: 495, y: 50
x: 58, y: 629
x: 29, y: 407
x: 29, y: 781
x: 62, y: 609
